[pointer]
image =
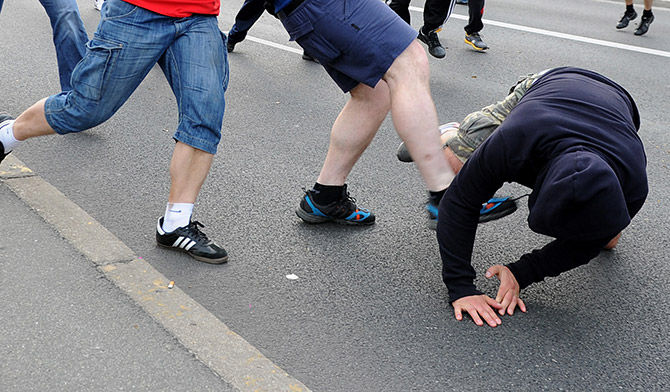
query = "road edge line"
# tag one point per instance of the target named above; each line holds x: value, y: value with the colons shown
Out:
x: 219, y: 348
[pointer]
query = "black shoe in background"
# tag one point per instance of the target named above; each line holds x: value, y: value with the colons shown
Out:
x: 435, y: 48
x: 3, y: 117
x: 307, y: 57
x: 230, y: 46
x: 626, y: 18
x: 643, y: 27
x: 2, y: 152
x: 191, y: 240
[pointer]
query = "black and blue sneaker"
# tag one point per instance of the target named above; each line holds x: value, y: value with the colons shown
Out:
x: 343, y: 210
x: 432, y: 215
x: 191, y: 240
x: 495, y: 208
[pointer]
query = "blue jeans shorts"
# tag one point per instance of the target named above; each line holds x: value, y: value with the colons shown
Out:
x: 129, y: 41
x: 69, y: 36
x: 356, y: 41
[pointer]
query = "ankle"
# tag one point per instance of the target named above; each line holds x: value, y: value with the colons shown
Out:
x: 177, y: 215
x: 435, y: 197
x: 647, y: 14
x: 7, y: 138
x: 326, y: 194
x: 426, y: 31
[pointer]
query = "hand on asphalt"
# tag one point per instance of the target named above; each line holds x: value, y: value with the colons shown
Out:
x: 508, y: 293
x: 478, y: 307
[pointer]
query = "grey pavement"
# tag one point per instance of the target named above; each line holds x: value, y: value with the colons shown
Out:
x: 65, y: 327
x: 369, y: 311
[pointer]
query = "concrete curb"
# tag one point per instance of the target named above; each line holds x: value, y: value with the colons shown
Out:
x: 199, y: 331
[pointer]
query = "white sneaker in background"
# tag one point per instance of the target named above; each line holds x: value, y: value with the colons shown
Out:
x: 98, y: 4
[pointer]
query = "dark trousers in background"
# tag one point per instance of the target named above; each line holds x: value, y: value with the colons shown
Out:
x: 475, y: 12
x: 435, y: 12
x: 246, y: 17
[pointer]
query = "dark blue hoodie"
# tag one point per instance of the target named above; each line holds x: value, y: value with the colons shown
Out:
x: 573, y: 140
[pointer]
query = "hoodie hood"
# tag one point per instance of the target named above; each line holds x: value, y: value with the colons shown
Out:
x: 578, y: 197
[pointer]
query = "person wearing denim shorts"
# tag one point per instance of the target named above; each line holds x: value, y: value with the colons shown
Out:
x: 134, y: 35
x: 69, y: 36
x: 374, y: 56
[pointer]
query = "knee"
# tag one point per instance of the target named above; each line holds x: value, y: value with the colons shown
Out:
x: 417, y: 59
x: 377, y: 99
x: 76, y: 118
x: 412, y: 64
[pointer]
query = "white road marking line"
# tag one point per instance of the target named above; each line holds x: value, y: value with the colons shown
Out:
x: 657, y: 8
x: 225, y: 352
x: 570, y: 37
x: 556, y: 34
x: 273, y: 44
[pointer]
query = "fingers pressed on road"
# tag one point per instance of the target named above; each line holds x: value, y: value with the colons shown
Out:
x: 507, y: 303
x: 475, y: 317
x: 522, y: 305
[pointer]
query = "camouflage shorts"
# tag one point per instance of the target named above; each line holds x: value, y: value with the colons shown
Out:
x: 479, y: 125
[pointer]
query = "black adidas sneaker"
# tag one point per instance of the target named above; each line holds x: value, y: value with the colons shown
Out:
x: 192, y: 241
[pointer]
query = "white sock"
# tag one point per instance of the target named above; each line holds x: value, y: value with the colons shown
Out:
x: 177, y: 215
x: 7, y: 136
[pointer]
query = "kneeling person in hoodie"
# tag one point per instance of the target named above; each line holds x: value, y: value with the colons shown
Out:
x: 571, y: 138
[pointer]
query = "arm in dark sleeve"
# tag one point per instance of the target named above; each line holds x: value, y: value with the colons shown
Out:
x: 560, y: 255
x: 458, y: 215
x: 553, y: 259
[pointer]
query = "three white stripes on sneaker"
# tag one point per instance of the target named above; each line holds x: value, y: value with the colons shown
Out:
x: 186, y: 245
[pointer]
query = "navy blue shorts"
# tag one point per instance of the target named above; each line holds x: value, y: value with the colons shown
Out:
x: 356, y: 41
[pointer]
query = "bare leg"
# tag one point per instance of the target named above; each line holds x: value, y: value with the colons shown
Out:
x: 454, y: 162
x: 188, y: 170
x: 32, y: 122
x: 414, y: 115
x: 353, y: 130
x: 647, y: 4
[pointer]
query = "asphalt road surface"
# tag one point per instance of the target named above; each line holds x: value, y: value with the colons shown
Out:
x: 369, y: 311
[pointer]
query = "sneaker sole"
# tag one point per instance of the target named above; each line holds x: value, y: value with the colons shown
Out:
x: 313, y: 219
x: 474, y: 46
x: 403, y: 154
x: 199, y: 258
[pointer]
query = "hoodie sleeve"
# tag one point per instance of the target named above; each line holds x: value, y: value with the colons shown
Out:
x: 478, y: 180
x: 553, y: 259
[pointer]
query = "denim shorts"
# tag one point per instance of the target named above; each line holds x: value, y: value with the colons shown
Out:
x: 129, y: 41
x: 356, y: 41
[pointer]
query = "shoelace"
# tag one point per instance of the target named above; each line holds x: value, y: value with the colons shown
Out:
x: 196, y: 233
x: 346, y: 204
